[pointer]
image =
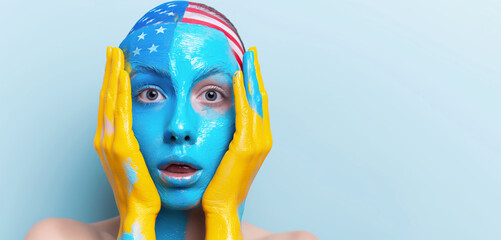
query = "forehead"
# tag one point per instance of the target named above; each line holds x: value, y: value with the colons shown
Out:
x: 183, y: 50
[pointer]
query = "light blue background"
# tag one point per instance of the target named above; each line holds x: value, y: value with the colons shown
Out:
x: 386, y: 115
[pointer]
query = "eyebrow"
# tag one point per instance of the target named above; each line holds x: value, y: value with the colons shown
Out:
x: 207, y: 72
x: 151, y: 69
x: 201, y: 75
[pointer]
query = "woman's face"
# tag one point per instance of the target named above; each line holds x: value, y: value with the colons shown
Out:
x: 183, y: 111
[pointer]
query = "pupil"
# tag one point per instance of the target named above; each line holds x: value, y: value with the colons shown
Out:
x: 210, y: 95
x: 152, y: 94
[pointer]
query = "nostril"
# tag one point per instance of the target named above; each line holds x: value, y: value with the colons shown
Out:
x: 172, y: 139
x: 187, y: 138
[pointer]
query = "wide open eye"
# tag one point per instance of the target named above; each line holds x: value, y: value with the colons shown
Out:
x: 211, y: 95
x: 150, y: 95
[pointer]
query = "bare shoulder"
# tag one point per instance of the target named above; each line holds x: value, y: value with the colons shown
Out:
x: 251, y: 232
x: 62, y: 229
x: 109, y: 226
x: 295, y: 235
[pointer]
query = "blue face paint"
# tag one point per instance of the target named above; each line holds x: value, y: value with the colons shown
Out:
x: 187, y: 70
x: 187, y: 58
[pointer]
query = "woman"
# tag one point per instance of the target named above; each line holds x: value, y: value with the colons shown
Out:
x: 182, y: 131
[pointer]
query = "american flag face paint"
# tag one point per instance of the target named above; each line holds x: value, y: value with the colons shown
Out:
x: 175, y: 12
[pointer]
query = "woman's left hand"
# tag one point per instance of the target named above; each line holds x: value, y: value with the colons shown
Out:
x: 251, y: 143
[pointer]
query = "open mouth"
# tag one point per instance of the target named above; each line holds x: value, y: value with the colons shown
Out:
x: 178, y: 170
x: 179, y: 174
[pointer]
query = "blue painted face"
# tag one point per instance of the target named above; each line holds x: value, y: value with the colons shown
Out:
x: 183, y: 111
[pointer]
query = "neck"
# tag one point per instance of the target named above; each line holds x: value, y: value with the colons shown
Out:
x: 180, y: 224
x: 183, y: 224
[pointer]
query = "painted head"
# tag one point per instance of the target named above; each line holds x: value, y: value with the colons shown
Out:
x: 181, y: 57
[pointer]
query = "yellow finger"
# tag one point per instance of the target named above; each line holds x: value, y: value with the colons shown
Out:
x: 241, y: 103
x: 98, y: 139
x: 264, y: 94
x: 258, y: 69
x: 111, y: 95
x: 266, y: 113
x: 267, y: 140
x: 123, y: 113
x: 100, y: 130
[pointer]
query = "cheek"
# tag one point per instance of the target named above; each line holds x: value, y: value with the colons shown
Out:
x: 212, y: 112
x: 216, y: 126
x: 215, y: 135
x: 148, y: 128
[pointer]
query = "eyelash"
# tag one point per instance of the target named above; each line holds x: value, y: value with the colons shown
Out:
x: 143, y: 88
x: 216, y: 88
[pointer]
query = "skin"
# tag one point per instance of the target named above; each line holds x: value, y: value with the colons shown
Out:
x: 69, y: 229
x: 136, y: 135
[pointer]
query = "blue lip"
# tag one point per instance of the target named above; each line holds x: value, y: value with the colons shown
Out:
x: 179, y: 181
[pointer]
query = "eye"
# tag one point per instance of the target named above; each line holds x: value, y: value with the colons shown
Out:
x: 211, y: 95
x: 150, y: 95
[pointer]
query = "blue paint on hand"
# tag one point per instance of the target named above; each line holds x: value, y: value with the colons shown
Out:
x: 131, y: 173
x: 251, y: 84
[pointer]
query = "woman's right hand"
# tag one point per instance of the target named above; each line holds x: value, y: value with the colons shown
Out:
x: 250, y: 145
x: 136, y: 197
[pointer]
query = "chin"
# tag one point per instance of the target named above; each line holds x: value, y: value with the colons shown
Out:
x: 181, y: 198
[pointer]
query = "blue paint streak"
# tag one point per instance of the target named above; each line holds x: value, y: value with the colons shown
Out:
x: 131, y: 174
x: 241, y: 209
x: 135, y: 233
x: 126, y: 236
x: 251, y: 83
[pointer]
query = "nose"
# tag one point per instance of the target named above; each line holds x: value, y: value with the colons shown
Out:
x: 179, y: 136
x: 181, y: 129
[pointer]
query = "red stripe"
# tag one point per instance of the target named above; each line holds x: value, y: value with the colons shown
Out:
x: 195, y: 10
x: 238, y: 59
x: 199, y: 22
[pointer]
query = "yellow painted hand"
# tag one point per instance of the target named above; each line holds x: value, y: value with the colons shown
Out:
x: 251, y: 143
x: 136, y: 197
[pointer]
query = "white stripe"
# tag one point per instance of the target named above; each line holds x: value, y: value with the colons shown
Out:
x: 236, y: 49
x: 200, y: 17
